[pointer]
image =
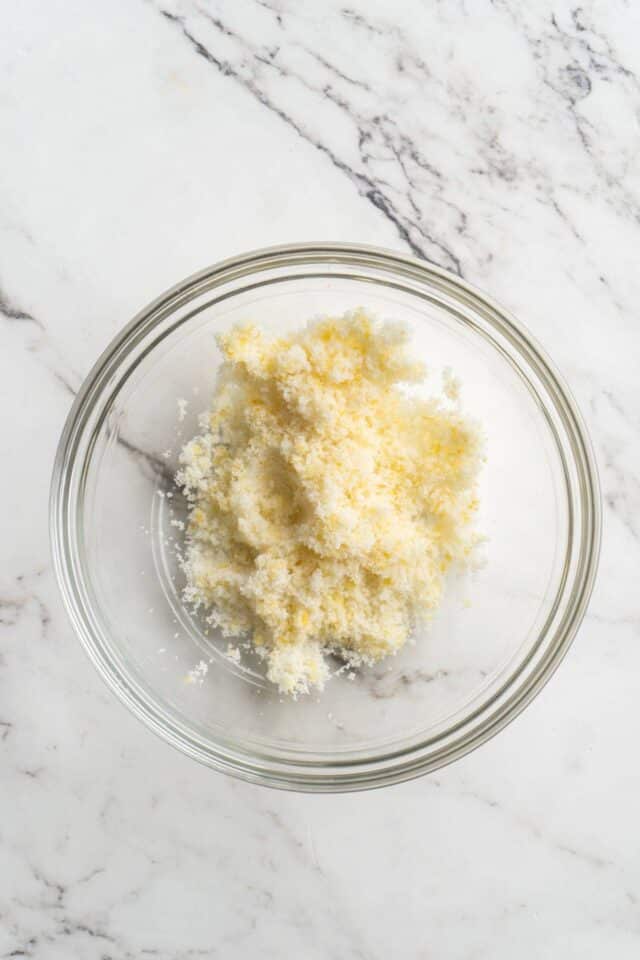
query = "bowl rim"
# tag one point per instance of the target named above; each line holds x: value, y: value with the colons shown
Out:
x: 341, y: 775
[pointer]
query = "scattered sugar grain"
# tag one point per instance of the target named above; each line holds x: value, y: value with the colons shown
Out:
x: 198, y: 673
x: 451, y: 385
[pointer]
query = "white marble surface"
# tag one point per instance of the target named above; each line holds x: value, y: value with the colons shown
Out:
x: 143, y: 140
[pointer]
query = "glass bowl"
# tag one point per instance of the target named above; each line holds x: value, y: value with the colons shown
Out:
x: 501, y: 630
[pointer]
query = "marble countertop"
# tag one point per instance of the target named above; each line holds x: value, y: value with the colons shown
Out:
x: 144, y: 140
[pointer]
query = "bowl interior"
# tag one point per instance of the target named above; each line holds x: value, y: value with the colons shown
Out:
x: 128, y: 533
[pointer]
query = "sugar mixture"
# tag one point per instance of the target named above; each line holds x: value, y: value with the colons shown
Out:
x: 326, y: 502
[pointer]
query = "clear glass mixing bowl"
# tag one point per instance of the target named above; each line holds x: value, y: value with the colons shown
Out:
x: 501, y: 630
